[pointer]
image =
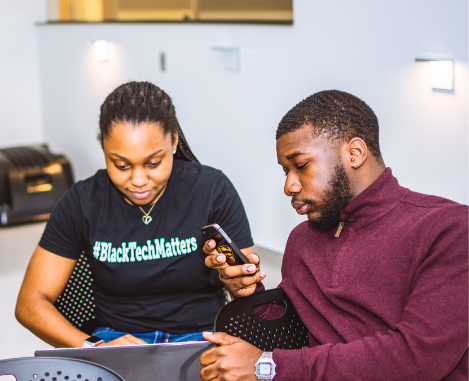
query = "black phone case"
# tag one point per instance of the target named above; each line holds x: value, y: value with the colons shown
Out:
x: 225, y: 245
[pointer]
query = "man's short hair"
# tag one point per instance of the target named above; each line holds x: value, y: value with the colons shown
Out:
x: 336, y: 114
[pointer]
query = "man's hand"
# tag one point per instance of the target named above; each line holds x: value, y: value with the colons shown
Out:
x: 123, y: 340
x: 234, y: 360
x: 240, y: 280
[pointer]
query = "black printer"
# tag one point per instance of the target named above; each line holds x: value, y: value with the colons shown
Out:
x: 32, y: 181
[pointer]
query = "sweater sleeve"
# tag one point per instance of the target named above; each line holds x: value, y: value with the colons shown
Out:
x: 431, y: 337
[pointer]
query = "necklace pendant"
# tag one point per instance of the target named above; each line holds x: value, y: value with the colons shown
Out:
x: 146, y: 219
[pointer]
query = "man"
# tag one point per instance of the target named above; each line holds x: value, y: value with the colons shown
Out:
x: 378, y: 273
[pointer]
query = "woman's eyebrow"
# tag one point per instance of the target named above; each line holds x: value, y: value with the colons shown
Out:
x: 153, y: 154
x: 125, y: 159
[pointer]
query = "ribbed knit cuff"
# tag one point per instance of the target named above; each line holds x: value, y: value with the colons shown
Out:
x: 289, y: 365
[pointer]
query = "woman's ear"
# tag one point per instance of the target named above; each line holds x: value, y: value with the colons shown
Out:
x: 175, y: 140
x: 358, y: 152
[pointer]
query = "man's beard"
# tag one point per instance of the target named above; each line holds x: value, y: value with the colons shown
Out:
x: 336, y: 198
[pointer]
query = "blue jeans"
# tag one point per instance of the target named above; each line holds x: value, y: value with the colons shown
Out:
x: 108, y: 334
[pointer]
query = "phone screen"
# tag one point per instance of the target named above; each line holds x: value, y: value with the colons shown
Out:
x: 225, y: 245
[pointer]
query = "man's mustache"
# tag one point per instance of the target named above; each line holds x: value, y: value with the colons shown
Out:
x: 302, y: 201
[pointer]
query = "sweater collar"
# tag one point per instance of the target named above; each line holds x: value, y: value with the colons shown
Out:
x: 374, y: 202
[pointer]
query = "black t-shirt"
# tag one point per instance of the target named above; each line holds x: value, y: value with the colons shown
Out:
x: 150, y: 277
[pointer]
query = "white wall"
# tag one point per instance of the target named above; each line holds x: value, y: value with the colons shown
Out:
x: 16, y: 246
x: 20, y: 105
x: 364, y: 47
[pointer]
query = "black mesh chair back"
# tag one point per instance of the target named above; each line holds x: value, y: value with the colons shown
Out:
x: 56, y: 369
x: 238, y: 319
x: 76, y: 302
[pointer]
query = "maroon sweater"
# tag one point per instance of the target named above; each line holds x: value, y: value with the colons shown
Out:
x: 388, y: 298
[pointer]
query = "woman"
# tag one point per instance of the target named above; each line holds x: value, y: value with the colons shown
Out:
x: 139, y: 225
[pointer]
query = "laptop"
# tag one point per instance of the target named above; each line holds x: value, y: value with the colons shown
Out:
x: 149, y: 362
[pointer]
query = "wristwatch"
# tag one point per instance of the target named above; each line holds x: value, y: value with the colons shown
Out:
x: 265, y: 367
x: 92, y: 341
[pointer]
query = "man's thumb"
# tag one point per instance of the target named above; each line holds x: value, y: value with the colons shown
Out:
x: 220, y: 338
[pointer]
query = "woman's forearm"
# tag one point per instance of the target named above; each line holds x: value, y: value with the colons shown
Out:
x: 45, y: 279
x: 40, y: 316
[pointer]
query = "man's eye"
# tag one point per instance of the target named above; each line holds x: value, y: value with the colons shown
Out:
x: 302, y: 166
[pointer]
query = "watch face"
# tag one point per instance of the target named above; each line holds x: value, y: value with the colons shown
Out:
x: 93, y: 339
x: 264, y: 369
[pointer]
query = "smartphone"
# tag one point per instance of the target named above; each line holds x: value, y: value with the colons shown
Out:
x: 225, y: 245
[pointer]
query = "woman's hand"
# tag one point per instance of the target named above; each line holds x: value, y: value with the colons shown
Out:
x: 240, y: 280
x: 123, y: 340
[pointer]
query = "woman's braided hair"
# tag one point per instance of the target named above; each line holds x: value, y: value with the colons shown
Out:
x: 337, y: 114
x: 143, y: 102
